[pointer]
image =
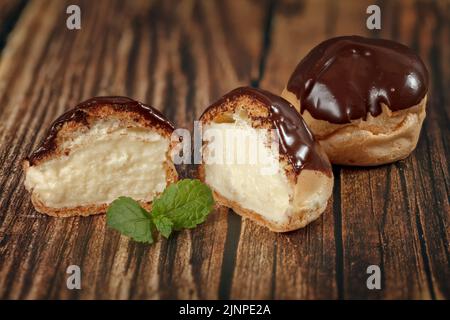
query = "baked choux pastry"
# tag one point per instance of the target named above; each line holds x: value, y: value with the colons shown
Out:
x: 286, y: 187
x: 364, y: 99
x: 104, y: 148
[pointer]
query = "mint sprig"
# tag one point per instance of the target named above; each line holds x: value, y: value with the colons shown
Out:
x: 186, y: 203
x: 182, y: 205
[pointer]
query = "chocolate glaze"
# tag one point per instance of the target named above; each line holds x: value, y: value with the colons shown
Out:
x: 296, y: 140
x: 345, y: 78
x: 79, y: 114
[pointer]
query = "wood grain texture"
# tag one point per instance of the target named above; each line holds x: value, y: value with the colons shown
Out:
x: 378, y: 215
x: 179, y: 57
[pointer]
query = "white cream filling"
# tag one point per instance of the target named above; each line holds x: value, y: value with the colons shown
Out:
x: 246, y: 182
x: 104, y: 163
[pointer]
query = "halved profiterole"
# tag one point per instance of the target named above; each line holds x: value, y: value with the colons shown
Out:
x: 288, y: 198
x: 104, y: 148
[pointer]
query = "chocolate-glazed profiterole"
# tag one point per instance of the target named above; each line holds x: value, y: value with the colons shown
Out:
x: 361, y: 94
x: 103, y: 148
x: 284, y: 199
x: 79, y: 114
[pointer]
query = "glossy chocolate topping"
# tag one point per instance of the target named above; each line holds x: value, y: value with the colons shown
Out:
x: 80, y: 114
x: 296, y: 140
x: 345, y: 78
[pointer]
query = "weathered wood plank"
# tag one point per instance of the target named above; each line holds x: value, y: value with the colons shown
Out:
x: 381, y: 215
x: 428, y: 187
x: 399, y: 216
x: 300, y: 264
x: 376, y: 227
x: 176, y: 56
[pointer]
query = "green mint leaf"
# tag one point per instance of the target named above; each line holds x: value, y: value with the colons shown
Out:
x: 186, y: 203
x: 163, y: 224
x: 129, y: 218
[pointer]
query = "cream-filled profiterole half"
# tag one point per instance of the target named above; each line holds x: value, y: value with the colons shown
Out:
x: 284, y: 197
x: 364, y: 99
x: 104, y: 148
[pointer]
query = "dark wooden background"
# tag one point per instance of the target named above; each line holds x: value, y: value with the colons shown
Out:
x: 179, y: 56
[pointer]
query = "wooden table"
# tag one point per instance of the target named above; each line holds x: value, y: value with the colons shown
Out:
x: 179, y: 57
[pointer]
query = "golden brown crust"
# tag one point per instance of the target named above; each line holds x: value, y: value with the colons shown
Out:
x: 386, y: 138
x: 83, y: 211
x: 256, y: 110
